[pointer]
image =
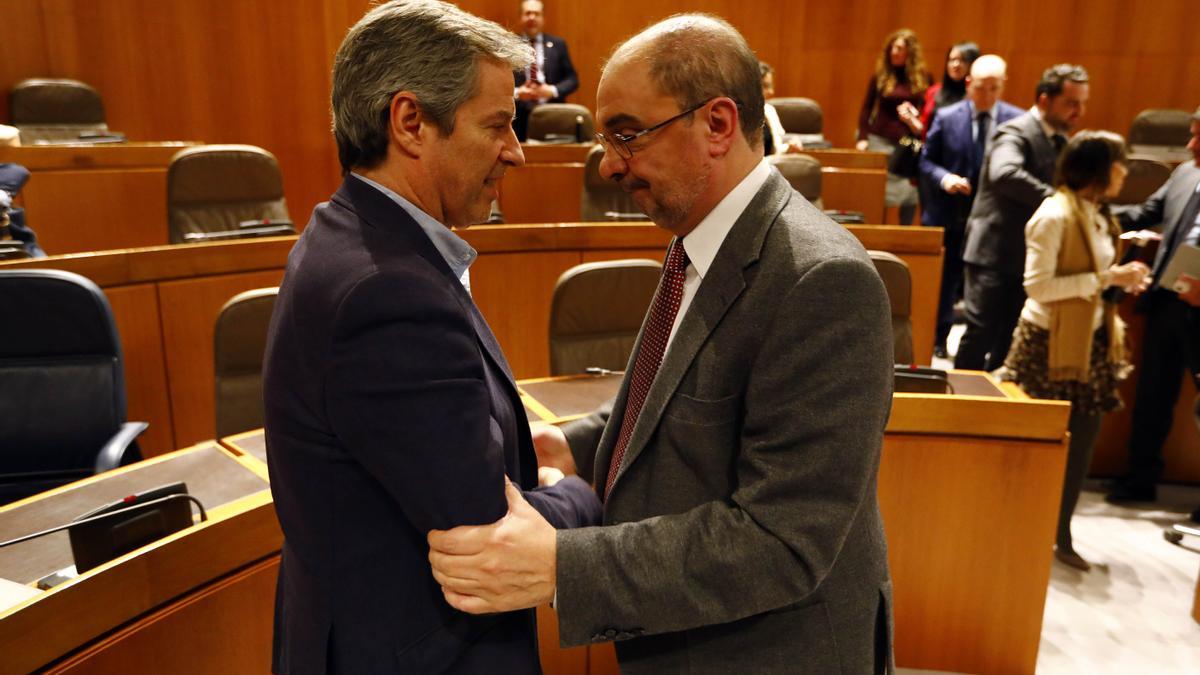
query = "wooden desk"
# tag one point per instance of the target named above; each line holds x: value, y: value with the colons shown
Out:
x: 166, y: 298
x: 96, y: 197
x: 550, y: 190
x: 159, y: 608
x: 969, y: 487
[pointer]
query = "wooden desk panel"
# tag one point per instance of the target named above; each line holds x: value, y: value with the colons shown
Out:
x: 542, y: 193
x: 970, y: 526
x: 189, y: 314
x: 556, y: 153
x: 96, y: 197
x: 854, y: 190
x: 849, y: 158
x: 135, y: 310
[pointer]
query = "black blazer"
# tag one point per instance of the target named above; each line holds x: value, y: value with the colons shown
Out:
x: 557, y: 67
x: 390, y: 411
x: 1017, y: 173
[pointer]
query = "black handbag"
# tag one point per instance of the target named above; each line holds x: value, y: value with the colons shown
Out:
x: 906, y: 157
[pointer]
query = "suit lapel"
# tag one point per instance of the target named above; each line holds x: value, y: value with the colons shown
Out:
x: 722, y: 286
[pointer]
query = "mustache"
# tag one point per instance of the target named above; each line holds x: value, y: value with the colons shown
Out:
x: 629, y: 184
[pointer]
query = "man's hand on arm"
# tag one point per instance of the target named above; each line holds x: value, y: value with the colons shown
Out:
x: 508, y: 565
x: 551, y: 447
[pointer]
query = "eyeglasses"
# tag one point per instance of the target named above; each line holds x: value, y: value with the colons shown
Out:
x: 620, y: 142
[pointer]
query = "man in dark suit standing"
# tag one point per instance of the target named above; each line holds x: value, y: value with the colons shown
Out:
x: 1171, y: 343
x: 738, y: 462
x: 951, y: 162
x: 1017, y: 173
x: 390, y: 409
x: 549, y: 77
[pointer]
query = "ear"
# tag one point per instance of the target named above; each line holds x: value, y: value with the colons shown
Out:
x: 406, y: 121
x: 723, y: 125
x: 1043, y: 101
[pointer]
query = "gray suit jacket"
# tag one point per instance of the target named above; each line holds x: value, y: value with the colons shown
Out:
x: 1164, y: 207
x: 743, y: 532
x: 1016, y: 178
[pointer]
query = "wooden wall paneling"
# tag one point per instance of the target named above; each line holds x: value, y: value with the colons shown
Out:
x: 513, y: 292
x: 135, y: 309
x: 23, y: 50
x: 80, y: 211
x: 224, y: 627
x: 189, y: 313
x: 964, y: 602
x: 655, y: 254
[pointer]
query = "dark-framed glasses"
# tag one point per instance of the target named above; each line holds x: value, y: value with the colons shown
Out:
x: 620, y: 142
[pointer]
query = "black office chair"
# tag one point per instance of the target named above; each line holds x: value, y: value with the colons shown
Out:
x: 62, y: 384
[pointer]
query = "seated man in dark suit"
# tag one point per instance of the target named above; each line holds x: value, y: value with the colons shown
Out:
x: 390, y: 409
x: 951, y: 161
x: 1016, y: 177
x: 549, y: 77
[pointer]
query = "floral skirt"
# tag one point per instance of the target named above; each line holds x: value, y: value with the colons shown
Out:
x: 1028, y: 364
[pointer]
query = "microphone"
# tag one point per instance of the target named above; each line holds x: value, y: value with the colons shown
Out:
x: 117, y: 528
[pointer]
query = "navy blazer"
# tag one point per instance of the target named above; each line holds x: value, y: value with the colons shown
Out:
x: 390, y: 411
x: 950, y: 148
x: 557, y: 67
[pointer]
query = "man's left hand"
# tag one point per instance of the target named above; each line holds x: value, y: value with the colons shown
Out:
x: 501, y: 567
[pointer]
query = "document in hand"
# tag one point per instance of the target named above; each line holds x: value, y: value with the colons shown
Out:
x: 1185, y: 261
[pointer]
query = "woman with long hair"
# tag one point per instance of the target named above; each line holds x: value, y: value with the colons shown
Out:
x: 953, y: 87
x: 891, y: 110
x: 1069, y: 344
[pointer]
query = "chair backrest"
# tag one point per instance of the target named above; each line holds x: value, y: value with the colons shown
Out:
x: 799, y: 115
x: 62, y: 386
x: 601, y: 196
x: 596, y: 312
x: 561, y: 119
x: 214, y: 188
x: 55, y: 109
x: 898, y: 282
x: 1161, y: 126
x: 1145, y: 176
x: 803, y: 172
x: 239, y: 341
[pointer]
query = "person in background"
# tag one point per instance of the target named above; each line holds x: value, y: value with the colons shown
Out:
x: 1015, y: 179
x: 1171, y: 344
x: 12, y: 218
x: 891, y: 110
x: 773, y: 142
x: 953, y: 87
x: 951, y: 162
x: 550, y: 76
x: 1070, y: 343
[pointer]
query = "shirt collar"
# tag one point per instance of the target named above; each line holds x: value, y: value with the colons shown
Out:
x: 457, y: 253
x: 703, y: 242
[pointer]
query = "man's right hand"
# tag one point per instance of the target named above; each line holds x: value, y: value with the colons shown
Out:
x: 956, y: 184
x: 550, y: 443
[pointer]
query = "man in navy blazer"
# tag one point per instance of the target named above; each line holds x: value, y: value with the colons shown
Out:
x: 951, y: 162
x: 390, y: 409
x: 549, y: 77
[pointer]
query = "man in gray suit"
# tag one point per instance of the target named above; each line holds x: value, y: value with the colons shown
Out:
x: 738, y: 463
x: 1016, y: 178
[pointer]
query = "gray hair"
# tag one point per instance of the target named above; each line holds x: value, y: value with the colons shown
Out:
x: 428, y: 47
x: 696, y: 57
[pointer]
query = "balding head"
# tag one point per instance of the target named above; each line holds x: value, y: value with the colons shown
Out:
x: 989, y: 65
x: 696, y: 57
x: 985, y: 84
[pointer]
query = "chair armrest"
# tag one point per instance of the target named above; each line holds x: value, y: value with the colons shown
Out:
x: 114, y: 452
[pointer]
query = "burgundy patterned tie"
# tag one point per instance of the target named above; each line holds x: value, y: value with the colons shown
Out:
x: 650, y: 354
x: 533, y: 65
